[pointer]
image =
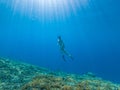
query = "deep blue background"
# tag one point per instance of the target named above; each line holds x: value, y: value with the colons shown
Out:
x: 92, y: 37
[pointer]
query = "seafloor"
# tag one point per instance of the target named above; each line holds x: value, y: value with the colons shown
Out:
x: 22, y: 76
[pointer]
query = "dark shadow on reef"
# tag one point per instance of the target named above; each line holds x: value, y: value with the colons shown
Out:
x: 22, y: 76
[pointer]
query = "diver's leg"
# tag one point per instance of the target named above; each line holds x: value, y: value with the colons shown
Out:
x: 63, y: 57
x: 69, y: 55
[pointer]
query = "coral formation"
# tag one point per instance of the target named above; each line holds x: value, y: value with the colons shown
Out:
x: 49, y: 82
x: 21, y: 76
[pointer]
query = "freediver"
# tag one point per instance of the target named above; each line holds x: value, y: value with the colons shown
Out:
x: 62, y: 49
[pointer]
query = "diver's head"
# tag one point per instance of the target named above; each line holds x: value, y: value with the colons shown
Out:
x: 59, y: 37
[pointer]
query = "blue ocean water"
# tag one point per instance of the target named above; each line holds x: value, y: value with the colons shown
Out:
x: 92, y: 36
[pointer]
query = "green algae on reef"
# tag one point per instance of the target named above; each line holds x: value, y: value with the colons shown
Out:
x: 22, y: 76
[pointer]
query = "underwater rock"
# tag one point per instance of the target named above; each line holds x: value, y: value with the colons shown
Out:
x: 22, y: 76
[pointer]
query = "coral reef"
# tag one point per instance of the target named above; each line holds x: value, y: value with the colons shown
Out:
x: 59, y: 83
x: 22, y: 76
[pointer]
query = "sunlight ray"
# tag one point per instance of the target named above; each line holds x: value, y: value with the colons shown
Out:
x: 47, y: 9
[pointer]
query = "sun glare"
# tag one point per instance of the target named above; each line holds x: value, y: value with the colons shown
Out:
x: 46, y: 9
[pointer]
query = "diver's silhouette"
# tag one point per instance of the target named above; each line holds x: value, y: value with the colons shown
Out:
x: 62, y: 49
